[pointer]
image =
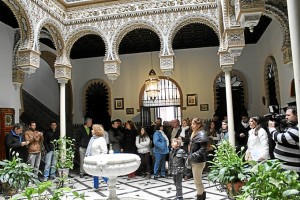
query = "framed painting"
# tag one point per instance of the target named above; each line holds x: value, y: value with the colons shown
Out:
x: 203, y: 107
x: 129, y: 111
x: 191, y: 100
x: 119, y: 103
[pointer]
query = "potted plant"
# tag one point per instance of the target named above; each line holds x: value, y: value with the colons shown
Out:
x: 229, y: 169
x: 15, y: 175
x: 64, y: 152
x: 269, y: 181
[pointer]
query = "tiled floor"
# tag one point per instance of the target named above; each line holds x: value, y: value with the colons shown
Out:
x: 161, y: 189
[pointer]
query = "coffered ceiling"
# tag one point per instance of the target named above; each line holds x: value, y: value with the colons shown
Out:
x: 143, y: 40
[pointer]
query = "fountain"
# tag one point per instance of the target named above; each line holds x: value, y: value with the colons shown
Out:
x: 111, y: 166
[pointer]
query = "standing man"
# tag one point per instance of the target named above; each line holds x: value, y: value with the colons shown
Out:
x: 287, y: 143
x: 83, y: 137
x: 15, y: 143
x: 242, y: 134
x: 50, y: 160
x: 116, y: 137
x: 175, y: 131
x: 34, y: 139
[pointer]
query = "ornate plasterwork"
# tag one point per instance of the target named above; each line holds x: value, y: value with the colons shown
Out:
x: 28, y: 60
x: 112, y: 69
x: 62, y: 73
x: 19, y: 10
x: 82, y: 31
x: 167, y: 64
x: 226, y: 59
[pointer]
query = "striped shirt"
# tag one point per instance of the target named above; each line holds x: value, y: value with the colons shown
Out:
x: 287, y: 147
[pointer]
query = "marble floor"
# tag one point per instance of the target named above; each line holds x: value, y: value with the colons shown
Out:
x: 138, y: 187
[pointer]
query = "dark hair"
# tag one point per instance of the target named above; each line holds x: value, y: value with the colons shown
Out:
x: 32, y: 122
x: 53, y: 122
x: 17, y: 126
x: 157, y: 127
x: 118, y: 120
x: 293, y: 108
x: 142, y: 137
x: 86, y: 120
x: 131, y: 124
x: 224, y: 121
x: 258, y: 124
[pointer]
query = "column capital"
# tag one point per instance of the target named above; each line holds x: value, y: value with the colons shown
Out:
x: 167, y: 64
x: 62, y: 73
x: 226, y: 59
x: 28, y: 60
x: 18, y: 77
x: 112, y: 69
x: 235, y: 41
x: 287, y: 54
x: 227, y: 68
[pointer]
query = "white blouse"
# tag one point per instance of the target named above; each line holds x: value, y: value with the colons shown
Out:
x: 258, y: 145
x: 99, y: 146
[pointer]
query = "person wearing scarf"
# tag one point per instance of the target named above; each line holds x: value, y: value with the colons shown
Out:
x: 97, y: 145
x: 15, y: 143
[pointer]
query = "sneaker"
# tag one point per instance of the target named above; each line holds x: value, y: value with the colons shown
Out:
x: 148, y: 176
x: 81, y: 175
x: 45, y: 179
x: 155, y: 177
x: 52, y: 177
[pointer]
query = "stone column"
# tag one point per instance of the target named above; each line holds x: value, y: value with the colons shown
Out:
x: 227, y: 70
x: 294, y: 24
x: 63, y: 75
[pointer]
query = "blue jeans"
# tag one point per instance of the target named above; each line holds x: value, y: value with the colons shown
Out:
x: 160, y: 161
x: 50, y: 164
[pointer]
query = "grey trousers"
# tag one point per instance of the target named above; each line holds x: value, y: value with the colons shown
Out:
x: 197, y: 169
x: 34, y: 159
x: 177, y: 178
x: 82, y: 152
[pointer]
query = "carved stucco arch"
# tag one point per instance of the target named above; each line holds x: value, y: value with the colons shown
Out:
x: 55, y: 31
x: 18, y: 8
x: 271, y: 59
x: 190, y: 19
x: 82, y: 31
x: 130, y: 26
x: 86, y: 87
x: 142, y: 90
x: 282, y: 19
x: 239, y: 74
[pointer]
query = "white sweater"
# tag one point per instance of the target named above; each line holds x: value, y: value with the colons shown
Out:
x: 143, y: 146
x: 258, y: 145
x: 99, y: 146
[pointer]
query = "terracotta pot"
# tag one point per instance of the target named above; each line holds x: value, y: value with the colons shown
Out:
x: 233, y: 189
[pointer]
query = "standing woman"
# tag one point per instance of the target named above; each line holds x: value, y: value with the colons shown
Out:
x: 142, y: 143
x: 197, y: 156
x: 129, y: 146
x: 97, y: 145
x: 258, y: 143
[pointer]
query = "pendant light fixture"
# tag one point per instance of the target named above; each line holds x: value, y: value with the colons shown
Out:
x: 152, y: 84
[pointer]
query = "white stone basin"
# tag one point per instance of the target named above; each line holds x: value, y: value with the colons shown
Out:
x: 111, y: 166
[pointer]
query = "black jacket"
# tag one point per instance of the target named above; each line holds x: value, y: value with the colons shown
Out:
x: 198, y: 147
x: 13, y: 144
x: 49, y: 136
x: 177, y: 161
x: 82, y: 138
x: 129, y: 141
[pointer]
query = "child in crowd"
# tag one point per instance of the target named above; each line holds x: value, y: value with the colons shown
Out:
x: 176, y: 166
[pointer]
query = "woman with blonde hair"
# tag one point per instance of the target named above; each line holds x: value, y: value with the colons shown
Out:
x: 197, y: 155
x: 97, y: 145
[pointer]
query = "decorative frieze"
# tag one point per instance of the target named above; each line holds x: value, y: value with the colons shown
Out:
x: 112, y: 69
x: 235, y: 41
x: 28, y: 60
x: 167, y: 65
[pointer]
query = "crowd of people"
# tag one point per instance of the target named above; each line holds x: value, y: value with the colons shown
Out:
x: 165, y: 148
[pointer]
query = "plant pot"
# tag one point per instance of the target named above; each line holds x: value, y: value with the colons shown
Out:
x: 233, y: 189
x: 8, y: 190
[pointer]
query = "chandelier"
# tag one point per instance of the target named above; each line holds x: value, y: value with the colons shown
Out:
x: 151, y: 84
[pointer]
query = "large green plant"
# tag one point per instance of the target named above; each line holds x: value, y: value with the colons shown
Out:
x: 16, y: 174
x: 228, y: 166
x: 270, y: 182
x: 64, y: 152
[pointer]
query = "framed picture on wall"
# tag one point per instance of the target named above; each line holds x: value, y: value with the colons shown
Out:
x: 191, y: 100
x: 129, y: 111
x: 203, y: 107
x: 119, y: 103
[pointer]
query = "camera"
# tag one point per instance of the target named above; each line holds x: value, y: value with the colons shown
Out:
x: 275, y: 116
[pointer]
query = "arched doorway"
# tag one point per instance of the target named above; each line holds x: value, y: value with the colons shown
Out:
x: 96, y: 103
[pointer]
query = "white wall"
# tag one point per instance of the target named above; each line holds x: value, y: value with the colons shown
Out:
x: 43, y: 86
x: 9, y: 98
